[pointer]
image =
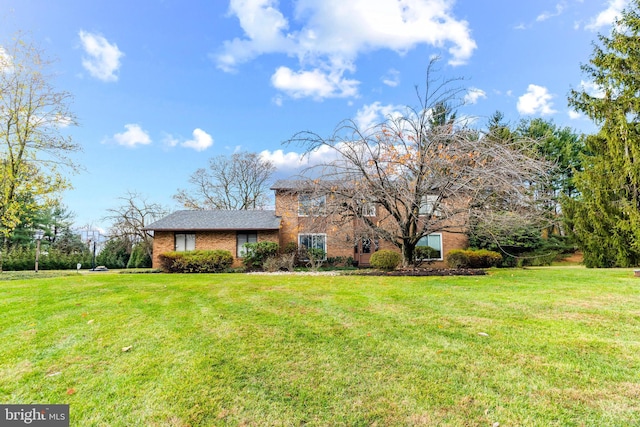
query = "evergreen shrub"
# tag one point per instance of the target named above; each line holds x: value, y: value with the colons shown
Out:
x: 216, y: 261
x: 385, y: 260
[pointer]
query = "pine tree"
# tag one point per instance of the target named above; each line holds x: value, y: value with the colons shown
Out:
x: 606, y: 217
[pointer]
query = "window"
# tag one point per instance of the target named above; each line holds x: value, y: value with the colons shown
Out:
x: 369, y: 209
x: 185, y: 242
x: 313, y: 241
x: 430, y: 205
x: 242, y: 238
x: 434, y: 241
x: 311, y: 205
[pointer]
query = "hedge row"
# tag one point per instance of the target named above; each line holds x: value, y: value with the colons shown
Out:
x: 215, y: 261
x: 469, y: 258
x: 25, y: 259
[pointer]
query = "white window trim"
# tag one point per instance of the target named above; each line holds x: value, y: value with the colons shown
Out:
x: 427, y: 203
x: 315, y: 234
x: 175, y: 241
x: 369, y: 210
x: 301, y: 212
x: 441, y: 247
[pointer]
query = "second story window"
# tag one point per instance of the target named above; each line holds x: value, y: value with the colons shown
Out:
x: 430, y: 205
x: 369, y: 209
x: 311, y: 205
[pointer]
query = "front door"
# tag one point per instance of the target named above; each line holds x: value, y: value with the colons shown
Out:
x: 363, y: 250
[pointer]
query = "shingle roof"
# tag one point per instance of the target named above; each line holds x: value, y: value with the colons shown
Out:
x: 218, y: 220
x: 292, y: 184
x: 302, y: 184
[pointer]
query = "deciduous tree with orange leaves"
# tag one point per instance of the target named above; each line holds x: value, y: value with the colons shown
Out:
x: 425, y: 170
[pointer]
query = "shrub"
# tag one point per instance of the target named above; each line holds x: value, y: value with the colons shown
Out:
x: 215, y: 261
x: 50, y: 259
x: 458, y: 258
x: 314, y: 257
x: 280, y: 262
x: 424, y: 255
x: 468, y: 258
x: 340, y: 261
x: 258, y: 253
x: 385, y: 260
x: 484, y: 258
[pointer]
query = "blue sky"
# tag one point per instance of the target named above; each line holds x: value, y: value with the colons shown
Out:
x: 161, y: 86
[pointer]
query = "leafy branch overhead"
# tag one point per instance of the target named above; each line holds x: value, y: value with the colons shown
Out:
x: 34, y: 148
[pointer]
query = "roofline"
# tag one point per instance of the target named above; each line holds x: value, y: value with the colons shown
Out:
x: 212, y: 229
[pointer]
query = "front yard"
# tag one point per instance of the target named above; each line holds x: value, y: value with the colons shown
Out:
x: 538, y: 347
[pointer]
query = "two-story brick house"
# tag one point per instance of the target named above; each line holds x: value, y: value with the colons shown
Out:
x: 300, y: 216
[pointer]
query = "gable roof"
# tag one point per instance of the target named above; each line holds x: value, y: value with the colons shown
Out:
x: 186, y: 220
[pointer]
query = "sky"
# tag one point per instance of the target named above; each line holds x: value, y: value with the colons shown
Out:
x: 162, y: 86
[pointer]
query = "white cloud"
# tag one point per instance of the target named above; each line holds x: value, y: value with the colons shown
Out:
x: 473, y: 96
x: 548, y: 15
x: 376, y: 113
x: 293, y: 161
x: 574, y: 115
x: 327, y: 38
x: 200, y: 142
x: 537, y: 100
x: 392, y: 78
x: 103, y: 60
x: 314, y: 84
x: 592, y: 89
x: 6, y: 61
x: 607, y: 16
x: 134, y: 135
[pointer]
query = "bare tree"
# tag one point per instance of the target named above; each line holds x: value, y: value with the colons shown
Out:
x: 128, y: 221
x: 423, y: 169
x: 239, y: 182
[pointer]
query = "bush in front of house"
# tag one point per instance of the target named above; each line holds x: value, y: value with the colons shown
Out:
x: 216, y: 261
x: 458, y: 258
x: 281, y: 262
x: 424, y: 255
x: 385, y: 260
x: 469, y: 258
x: 257, y: 253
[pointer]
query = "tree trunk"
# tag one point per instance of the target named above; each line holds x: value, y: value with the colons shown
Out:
x: 408, y: 250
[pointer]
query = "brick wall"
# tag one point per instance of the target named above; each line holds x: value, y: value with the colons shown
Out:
x: 164, y: 241
x: 341, y: 237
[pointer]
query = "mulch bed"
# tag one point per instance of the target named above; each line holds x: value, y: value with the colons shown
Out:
x: 427, y: 272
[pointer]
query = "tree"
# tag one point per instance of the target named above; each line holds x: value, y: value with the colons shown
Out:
x: 606, y: 215
x: 130, y: 219
x: 33, y: 148
x: 239, y: 182
x: 426, y: 170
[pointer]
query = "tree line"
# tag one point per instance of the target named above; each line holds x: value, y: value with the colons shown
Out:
x: 528, y: 190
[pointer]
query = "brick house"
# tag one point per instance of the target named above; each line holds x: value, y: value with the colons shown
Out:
x: 298, y: 217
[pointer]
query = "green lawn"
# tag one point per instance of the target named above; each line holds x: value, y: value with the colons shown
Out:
x: 538, y: 347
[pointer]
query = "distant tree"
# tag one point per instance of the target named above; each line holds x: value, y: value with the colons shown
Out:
x: 428, y: 171
x: 237, y: 182
x: 129, y: 219
x: 115, y: 253
x: 33, y: 148
x: 606, y: 215
x: 525, y: 233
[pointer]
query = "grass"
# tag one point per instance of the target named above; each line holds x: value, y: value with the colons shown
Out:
x: 537, y: 347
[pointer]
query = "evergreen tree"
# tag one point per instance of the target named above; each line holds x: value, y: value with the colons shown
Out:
x: 606, y: 215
